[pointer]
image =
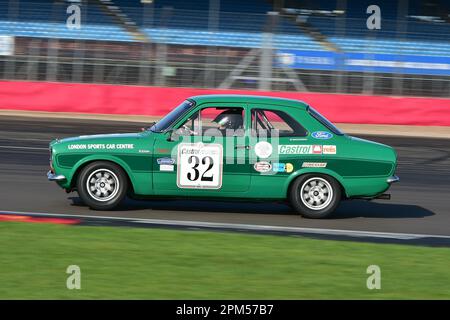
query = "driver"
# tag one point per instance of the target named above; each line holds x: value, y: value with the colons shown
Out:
x: 229, y: 119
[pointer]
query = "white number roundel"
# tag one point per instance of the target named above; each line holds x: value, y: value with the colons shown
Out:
x: 263, y: 149
x: 199, y: 166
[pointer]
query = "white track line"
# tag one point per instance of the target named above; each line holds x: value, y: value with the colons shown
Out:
x: 248, y: 227
x: 25, y: 148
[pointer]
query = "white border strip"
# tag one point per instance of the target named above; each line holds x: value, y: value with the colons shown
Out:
x: 244, y: 227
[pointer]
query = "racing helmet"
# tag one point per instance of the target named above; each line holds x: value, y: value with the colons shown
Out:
x: 230, y: 119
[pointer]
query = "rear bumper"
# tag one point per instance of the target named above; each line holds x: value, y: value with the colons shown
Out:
x: 55, y: 177
x: 393, y: 179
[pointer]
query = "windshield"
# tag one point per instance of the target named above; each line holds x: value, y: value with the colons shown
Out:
x: 171, y: 117
x: 324, y: 121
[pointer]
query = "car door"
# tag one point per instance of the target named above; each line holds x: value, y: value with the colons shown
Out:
x: 205, y: 155
x: 279, y: 141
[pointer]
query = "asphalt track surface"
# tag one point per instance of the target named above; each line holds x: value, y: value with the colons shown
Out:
x: 419, y: 205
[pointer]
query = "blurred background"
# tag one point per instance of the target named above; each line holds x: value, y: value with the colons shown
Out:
x: 380, y: 69
x: 279, y: 45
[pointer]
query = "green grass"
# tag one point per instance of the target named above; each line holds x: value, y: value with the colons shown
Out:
x: 138, y: 263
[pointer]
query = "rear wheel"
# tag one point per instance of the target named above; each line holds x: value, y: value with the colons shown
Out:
x: 102, y: 185
x: 315, y: 196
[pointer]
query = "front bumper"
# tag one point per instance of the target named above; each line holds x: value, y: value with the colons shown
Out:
x: 55, y: 177
x: 393, y: 179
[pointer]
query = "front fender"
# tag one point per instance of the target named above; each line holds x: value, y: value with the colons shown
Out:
x: 91, y: 158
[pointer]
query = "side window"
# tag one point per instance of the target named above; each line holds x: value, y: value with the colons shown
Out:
x: 214, y: 121
x: 264, y: 122
x: 222, y: 121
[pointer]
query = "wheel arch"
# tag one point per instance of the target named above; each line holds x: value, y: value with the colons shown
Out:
x: 78, y: 167
x: 325, y: 172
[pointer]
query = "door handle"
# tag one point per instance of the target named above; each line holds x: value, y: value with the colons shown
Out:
x: 243, y: 147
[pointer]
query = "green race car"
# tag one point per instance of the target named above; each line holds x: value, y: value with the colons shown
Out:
x: 228, y: 146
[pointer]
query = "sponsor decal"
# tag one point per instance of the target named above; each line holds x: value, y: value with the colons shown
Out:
x: 77, y: 147
x: 297, y: 139
x: 166, y: 167
x: 299, y: 149
x: 262, y: 166
x: 279, y: 167
x: 289, y: 167
x: 162, y: 161
x: 316, y: 149
x: 322, y: 135
x: 329, y: 149
x: 314, y: 164
x: 263, y: 149
x: 294, y: 149
x: 101, y: 146
x: 283, y: 167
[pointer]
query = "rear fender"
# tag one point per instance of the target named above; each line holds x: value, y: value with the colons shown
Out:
x: 325, y: 171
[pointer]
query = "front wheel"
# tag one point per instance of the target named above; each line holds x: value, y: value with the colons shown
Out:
x: 315, y: 196
x: 102, y: 185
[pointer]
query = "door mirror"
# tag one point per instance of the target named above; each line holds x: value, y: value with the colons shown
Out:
x: 171, y: 135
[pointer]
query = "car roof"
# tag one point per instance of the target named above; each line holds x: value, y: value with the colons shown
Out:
x: 212, y: 98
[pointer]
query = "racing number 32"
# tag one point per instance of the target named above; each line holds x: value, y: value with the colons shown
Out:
x: 199, y: 166
x: 196, y: 161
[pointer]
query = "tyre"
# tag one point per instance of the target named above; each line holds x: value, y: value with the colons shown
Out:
x: 102, y: 185
x: 315, y: 196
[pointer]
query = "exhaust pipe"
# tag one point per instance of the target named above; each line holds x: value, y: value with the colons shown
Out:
x: 384, y: 196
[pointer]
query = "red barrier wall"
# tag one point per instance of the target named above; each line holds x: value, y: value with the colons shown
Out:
x: 157, y: 101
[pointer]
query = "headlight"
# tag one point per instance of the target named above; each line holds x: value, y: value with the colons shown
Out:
x: 51, y: 160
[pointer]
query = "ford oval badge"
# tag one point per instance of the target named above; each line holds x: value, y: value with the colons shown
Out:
x: 323, y: 135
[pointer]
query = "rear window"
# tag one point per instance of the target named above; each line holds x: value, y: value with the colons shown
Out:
x: 316, y: 115
x: 264, y: 120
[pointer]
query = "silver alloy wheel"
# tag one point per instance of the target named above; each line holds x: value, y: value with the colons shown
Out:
x: 316, y: 193
x: 102, y: 185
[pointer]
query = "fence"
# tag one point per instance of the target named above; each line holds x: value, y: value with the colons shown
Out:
x: 166, y: 61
